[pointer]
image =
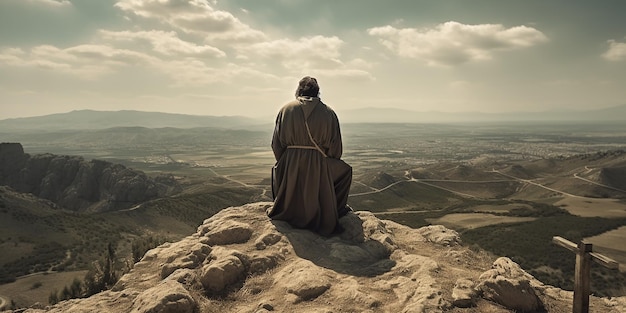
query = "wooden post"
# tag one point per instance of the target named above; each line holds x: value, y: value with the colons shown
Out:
x: 582, y: 285
x: 582, y: 278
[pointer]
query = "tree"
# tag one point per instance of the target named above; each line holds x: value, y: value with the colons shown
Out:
x: 65, y: 294
x: 53, y: 298
x: 76, y: 288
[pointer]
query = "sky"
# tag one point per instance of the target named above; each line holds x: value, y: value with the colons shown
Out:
x: 245, y: 57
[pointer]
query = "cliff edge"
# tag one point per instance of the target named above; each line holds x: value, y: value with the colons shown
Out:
x: 240, y: 261
x: 77, y: 184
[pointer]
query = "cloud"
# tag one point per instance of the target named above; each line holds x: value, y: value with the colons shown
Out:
x: 194, y: 16
x: 304, y: 53
x: 181, y: 56
x: 453, y: 43
x: 11, y: 56
x: 166, y: 43
x: 192, y: 73
x: 93, y: 61
x: 616, y: 52
x: 51, y: 3
x: 347, y: 73
x: 86, y: 61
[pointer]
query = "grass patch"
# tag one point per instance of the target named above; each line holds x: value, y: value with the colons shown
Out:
x: 461, y: 221
x: 22, y: 292
x: 409, y: 196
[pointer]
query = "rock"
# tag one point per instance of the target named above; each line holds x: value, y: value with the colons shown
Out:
x: 196, y: 256
x: 619, y: 303
x: 418, y: 292
x: 224, y: 269
x: 260, y: 264
x: 304, y: 280
x: 440, y: 235
x: 267, y: 239
x: 224, y: 232
x: 464, y: 295
x: 76, y: 184
x: 12, y: 160
x: 266, y: 306
x: 185, y: 277
x: 507, y: 284
x: 167, y: 297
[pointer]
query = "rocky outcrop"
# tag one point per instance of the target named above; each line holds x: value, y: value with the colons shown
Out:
x: 76, y: 184
x: 240, y: 261
x: 507, y: 284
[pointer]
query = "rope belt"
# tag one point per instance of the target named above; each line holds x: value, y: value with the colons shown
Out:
x: 302, y: 147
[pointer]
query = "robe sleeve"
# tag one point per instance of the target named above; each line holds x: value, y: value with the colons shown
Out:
x: 277, y: 147
x: 335, y: 149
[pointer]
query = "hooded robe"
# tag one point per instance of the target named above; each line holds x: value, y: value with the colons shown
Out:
x: 306, y: 190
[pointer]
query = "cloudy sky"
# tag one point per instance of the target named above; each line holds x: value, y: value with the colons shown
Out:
x: 245, y: 57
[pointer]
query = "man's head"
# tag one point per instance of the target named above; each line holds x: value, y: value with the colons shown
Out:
x: 308, y: 87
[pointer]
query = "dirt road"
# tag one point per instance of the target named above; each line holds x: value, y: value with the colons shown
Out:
x: 4, y: 302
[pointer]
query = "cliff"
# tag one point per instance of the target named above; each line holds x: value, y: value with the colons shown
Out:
x: 76, y: 184
x: 240, y: 261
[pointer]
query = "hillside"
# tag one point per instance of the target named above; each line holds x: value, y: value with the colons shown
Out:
x: 240, y: 261
x: 59, y: 213
x: 38, y: 236
x: 79, y: 185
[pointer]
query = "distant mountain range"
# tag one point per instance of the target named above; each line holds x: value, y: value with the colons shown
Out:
x: 392, y: 115
x: 89, y: 119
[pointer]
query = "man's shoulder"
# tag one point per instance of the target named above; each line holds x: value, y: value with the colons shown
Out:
x: 328, y: 108
x: 290, y: 105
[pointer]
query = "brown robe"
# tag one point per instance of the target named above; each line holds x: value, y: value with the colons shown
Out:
x: 307, y: 193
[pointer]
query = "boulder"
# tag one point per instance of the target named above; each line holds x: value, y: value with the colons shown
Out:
x: 224, y: 269
x: 507, y: 284
x: 464, y: 295
x: 167, y: 297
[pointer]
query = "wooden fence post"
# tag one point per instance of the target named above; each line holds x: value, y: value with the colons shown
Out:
x: 582, y: 284
x: 582, y: 278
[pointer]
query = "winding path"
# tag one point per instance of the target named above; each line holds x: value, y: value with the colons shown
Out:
x: 263, y: 187
x: 412, y: 180
x: 512, y: 178
x: 528, y: 181
x: 3, y: 302
x: 596, y: 183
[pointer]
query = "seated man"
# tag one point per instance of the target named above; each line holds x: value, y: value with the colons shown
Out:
x: 310, y: 183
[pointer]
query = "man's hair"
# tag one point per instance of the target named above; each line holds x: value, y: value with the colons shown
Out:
x: 308, y: 87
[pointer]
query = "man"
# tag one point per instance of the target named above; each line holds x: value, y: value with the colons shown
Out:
x: 310, y: 183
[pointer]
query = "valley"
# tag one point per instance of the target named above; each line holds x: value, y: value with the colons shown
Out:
x: 507, y: 188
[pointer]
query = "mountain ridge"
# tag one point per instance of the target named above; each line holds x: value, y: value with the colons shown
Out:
x: 93, y: 119
x: 395, y: 115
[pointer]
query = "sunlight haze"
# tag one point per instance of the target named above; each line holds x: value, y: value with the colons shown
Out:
x: 212, y: 57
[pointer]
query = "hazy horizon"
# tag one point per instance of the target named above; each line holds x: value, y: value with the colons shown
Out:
x: 242, y: 58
